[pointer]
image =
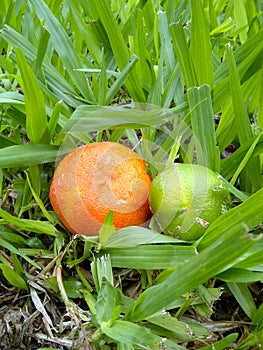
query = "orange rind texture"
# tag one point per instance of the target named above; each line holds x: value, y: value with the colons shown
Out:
x: 97, y: 178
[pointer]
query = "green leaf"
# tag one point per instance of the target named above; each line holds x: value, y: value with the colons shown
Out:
x: 107, y: 229
x: 121, y: 78
x: 150, y: 257
x: 127, y: 332
x: 103, y: 82
x: 246, y: 158
x: 27, y: 155
x: 86, y: 118
x: 252, y: 259
x: 222, y: 344
x: 36, y: 119
x: 203, y: 126
x: 240, y: 276
x: 241, y: 19
x: 41, y: 51
x: 118, y: 45
x: 58, y: 85
x: 54, y: 118
x: 88, y: 32
x: 181, y: 331
x: 135, y: 235
x: 108, y: 299
x: 14, y: 250
x: 29, y: 224
x: 101, y: 268
x: 188, y: 276
x: 231, y: 164
x: 72, y: 288
x: 200, y: 45
x: 64, y: 47
x: 10, y: 236
x: 242, y: 122
x: 241, y: 118
x: 224, y: 27
x: 183, y: 54
x: 166, y: 44
x: 243, y: 296
x: 245, y: 214
x: 13, y: 277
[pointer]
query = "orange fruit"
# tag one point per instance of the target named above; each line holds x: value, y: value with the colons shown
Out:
x: 94, y: 179
x: 186, y: 199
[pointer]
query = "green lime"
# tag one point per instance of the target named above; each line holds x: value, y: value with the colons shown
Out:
x: 186, y: 198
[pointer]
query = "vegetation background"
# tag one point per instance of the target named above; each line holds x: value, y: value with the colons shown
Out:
x: 151, y: 74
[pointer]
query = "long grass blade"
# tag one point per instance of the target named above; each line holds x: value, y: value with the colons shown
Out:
x: 118, y: 45
x: 36, y: 119
x: 200, y: 45
x: 64, y: 47
x: 244, y: 297
x: 25, y: 155
x: 202, y: 121
x: 241, y: 120
x: 150, y: 257
x: 183, y: 54
x: 205, y: 265
x: 58, y: 84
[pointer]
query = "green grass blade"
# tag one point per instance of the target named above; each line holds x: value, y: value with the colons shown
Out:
x: 119, y: 47
x: 252, y: 259
x: 25, y: 155
x: 113, y: 90
x: 222, y: 344
x: 16, y: 251
x: 106, y: 302
x: 187, y: 277
x: 29, y: 224
x: 133, y: 235
x: 243, y: 214
x: 203, y: 126
x: 36, y: 119
x: 54, y: 118
x: 238, y: 275
x: 242, y: 122
x: 144, y: 68
x: 200, y: 45
x: 40, y: 203
x: 183, y: 54
x: 103, y: 82
x: 243, y: 297
x: 13, y: 277
x: 241, y: 19
x: 128, y: 332
x: 87, y: 32
x: 230, y: 165
x: 166, y: 44
x: 91, y: 119
x: 245, y: 160
x: 102, y: 269
x: 64, y: 47
x: 150, y: 257
x: 260, y: 105
x: 241, y: 118
x: 41, y: 51
x: 58, y: 84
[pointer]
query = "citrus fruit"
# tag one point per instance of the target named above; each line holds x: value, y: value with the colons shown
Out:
x: 94, y: 179
x: 186, y: 199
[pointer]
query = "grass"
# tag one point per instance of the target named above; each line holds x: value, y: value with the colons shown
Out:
x: 176, y: 80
